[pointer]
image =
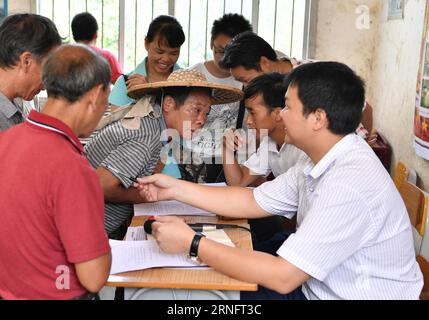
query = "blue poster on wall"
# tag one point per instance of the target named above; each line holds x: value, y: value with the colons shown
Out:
x: 3, y: 9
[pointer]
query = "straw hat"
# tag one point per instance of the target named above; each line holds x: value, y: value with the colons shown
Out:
x: 221, y: 94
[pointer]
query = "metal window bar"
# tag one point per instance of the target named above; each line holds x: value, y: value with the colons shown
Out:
x: 69, y: 15
x: 171, y: 11
x: 275, y: 23
x: 207, y: 30
x: 135, y: 31
x: 189, y: 31
x: 255, y: 15
x: 293, y: 29
x: 122, y: 32
x: 102, y: 23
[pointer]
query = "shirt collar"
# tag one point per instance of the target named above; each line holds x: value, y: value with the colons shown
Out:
x: 342, y: 147
x: 9, y: 108
x: 272, y: 145
x: 45, y: 122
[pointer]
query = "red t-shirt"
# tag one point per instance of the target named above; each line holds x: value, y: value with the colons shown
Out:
x: 51, y: 211
x: 114, y: 64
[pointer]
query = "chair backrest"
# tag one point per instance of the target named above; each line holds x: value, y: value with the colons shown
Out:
x: 424, y: 266
x: 414, y: 199
x: 401, y: 174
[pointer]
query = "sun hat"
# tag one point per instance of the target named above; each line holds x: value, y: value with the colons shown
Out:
x: 221, y: 94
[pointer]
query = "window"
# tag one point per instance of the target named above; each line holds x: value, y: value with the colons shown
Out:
x: 123, y: 24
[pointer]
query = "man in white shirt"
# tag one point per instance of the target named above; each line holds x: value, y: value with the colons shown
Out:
x: 354, y: 238
x: 264, y: 99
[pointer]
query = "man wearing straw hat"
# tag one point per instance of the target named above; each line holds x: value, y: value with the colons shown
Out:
x: 130, y: 140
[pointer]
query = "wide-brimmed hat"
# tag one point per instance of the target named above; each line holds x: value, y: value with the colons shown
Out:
x: 221, y: 94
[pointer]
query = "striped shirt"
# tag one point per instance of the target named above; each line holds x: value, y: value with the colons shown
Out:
x: 132, y: 152
x: 353, y: 234
x: 10, y: 112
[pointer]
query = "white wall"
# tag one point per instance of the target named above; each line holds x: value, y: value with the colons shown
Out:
x: 394, y: 79
x: 387, y: 56
x: 21, y: 6
x: 339, y: 39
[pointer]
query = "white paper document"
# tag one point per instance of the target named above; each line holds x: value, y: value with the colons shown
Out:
x: 135, y: 234
x: 172, y: 207
x: 131, y: 255
x: 139, y: 255
x: 166, y: 208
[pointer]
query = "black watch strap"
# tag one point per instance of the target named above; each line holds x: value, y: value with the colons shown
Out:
x: 193, y: 251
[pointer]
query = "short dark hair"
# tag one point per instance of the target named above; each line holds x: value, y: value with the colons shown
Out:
x: 73, y: 70
x: 333, y: 87
x: 272, y: 87
x: 230, y: 24
x: 246, y: 49
x: 21, y: 33
x: 168, y: 30
x: 179, y: 94
x: 84, y: 27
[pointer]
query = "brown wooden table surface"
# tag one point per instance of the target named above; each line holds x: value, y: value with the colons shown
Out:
x: 196, y: 278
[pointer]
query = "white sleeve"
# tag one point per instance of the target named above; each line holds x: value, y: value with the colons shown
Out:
x: 258, y: 163
x: 336, y: 225
x: 280, y: 196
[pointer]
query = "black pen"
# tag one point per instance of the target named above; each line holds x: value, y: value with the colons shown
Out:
x: 122, y: 174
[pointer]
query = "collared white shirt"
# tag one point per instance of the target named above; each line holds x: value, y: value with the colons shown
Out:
x: 268, y: 159
x: 353, y: 234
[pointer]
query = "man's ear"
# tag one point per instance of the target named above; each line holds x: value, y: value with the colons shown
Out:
x: 276, y: 114
x: 265, y: 64
x: 94, y: 96
x: 321, y: 120
x: 168, y: 104
x: 25, y: 61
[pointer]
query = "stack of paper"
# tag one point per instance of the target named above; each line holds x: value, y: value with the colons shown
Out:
x: 137, y: 253
x: 172, y: 207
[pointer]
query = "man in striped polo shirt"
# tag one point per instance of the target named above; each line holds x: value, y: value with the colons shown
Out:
x: 354, y: 238
x: 130, y: 146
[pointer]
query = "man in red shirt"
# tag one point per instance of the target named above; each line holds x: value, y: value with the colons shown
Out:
x: 52, y: 239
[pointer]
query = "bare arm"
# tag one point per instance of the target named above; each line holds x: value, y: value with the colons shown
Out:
x: 174, y: 236
x: 264, y: 269
x: 367, y: 118
x: 235, y: 174
x: 114, y: 191
x: 93, y: 274
x: 233, y: 202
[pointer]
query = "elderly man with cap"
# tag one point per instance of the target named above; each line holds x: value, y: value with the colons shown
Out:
x: 52, y: 239
x: 130, y: 140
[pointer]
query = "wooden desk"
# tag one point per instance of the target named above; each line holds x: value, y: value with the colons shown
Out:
x: 172, y: 284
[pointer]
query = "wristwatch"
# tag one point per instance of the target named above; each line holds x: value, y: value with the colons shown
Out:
x: 193, y: 251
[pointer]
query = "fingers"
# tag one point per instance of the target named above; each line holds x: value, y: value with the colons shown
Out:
x: 232, y: 139
x: 136, y: 79
x: 147, y: 180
